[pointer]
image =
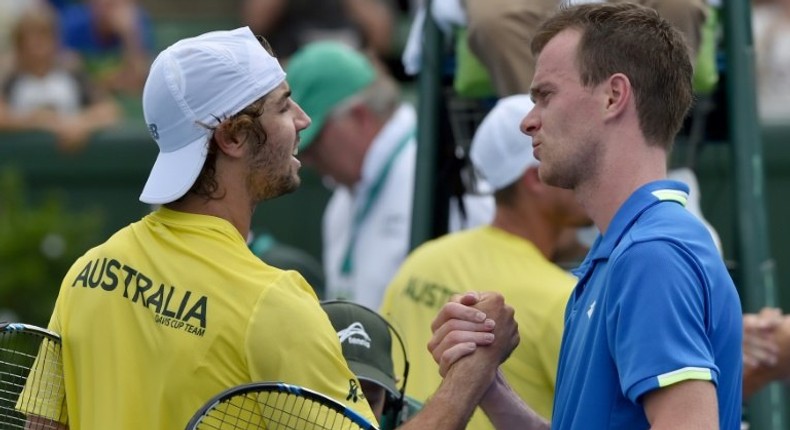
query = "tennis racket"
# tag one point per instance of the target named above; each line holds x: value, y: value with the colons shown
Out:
x: 32, y: 395
x: 275, y: 406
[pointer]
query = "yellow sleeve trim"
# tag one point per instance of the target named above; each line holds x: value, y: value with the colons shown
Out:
x: 674, y: 195
x: 684, y: 374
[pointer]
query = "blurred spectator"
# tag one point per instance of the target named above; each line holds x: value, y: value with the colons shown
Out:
x: 290, y: 24
x: 766, y: 349
x: 60, y: 5
x: 363, y: 138
x: 112, y: 40
x: 40, y: 94
x: 688, y: 177
x: 10, y: 10
x: 498, y: 33
x: 771, y: 27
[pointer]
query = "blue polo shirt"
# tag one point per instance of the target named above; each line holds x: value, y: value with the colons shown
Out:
x: 654, y: 306
x: 101, y: 56
x: 78, y: 32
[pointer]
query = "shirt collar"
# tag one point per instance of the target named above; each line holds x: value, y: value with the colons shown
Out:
x: 400, y: 124
x: 643, y: 198
x: 209, y: 222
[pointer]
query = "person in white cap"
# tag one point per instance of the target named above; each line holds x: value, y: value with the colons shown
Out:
x: 511, y: 255
x: 175, y: 308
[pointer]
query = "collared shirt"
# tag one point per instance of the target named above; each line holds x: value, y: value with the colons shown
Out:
x: 654, y: 306
x: 381, y: 240
x: 175, y: 308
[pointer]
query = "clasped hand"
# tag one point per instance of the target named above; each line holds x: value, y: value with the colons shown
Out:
x: 479, y: 325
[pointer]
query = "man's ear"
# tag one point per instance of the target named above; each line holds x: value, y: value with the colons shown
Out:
x: 229, y: 144
x: 618, y: 94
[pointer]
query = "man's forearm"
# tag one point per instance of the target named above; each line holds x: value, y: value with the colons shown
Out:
x: 39, y: 423
x: 505, y: 409
x: 455, y: 400
x: 755, y: 379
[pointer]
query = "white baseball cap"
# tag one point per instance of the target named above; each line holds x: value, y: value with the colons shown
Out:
x: 500, y: 152
x: 199, y: 80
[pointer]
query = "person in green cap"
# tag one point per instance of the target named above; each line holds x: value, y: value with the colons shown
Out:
x: 362, y: 139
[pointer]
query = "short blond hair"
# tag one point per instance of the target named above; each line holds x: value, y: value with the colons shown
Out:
x: 38, y: 18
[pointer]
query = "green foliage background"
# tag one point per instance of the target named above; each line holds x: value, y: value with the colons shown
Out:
x: 38, y: 243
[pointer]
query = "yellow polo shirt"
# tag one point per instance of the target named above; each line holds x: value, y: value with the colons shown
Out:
x: 174, y: 309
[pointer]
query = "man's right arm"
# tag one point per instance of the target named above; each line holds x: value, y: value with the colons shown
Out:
x: 468, y: 378
x: 761, y: 370
x: 456, y: 398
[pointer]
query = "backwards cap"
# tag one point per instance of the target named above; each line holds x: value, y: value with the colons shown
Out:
x: 199, y: 80
x: 500, y: 151
x: 322, y: 75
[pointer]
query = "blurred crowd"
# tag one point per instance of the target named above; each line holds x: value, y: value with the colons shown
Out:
x: 65, y: 67
x: 771, y: 27
x: 65, y: 64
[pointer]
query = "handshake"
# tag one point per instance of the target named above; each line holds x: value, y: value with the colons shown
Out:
x: 766, y: 349
x: 479, y: 323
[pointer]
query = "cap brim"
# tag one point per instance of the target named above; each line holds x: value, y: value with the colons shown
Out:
x: 175, y: 172
x: 370, y: 373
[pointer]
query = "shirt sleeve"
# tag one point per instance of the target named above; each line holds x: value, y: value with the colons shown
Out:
x: 46, y: 371
x: 291, y: 340
x: 658, y: 319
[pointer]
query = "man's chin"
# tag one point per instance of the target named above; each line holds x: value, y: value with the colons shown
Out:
x: 284, y: 189
x: 293, y: 186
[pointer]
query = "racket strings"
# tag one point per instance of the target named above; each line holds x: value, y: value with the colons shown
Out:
x: 274, y: 411
x: 23, y: 352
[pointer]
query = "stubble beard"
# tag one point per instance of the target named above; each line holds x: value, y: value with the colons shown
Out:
x: 572, y: 171
x: 560, y: 176
x: 270, y: 186
x: 268, y: 179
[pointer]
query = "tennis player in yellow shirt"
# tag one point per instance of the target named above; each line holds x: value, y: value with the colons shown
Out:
x: 175, y: 308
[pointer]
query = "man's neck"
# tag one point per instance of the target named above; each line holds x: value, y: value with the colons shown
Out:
x: 602, y: 195
x: 524, y: 222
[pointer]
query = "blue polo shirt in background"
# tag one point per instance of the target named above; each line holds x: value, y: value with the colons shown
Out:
x: 101, y: 56
x: 654, y: 306
x: 78, y: 31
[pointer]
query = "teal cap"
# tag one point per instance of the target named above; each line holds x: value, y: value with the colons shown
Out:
x: 322, y: 75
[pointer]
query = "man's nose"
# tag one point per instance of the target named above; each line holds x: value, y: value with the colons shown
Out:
x: 530, y: 124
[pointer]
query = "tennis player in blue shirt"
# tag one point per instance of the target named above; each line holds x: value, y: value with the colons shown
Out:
x: 653, y: 328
